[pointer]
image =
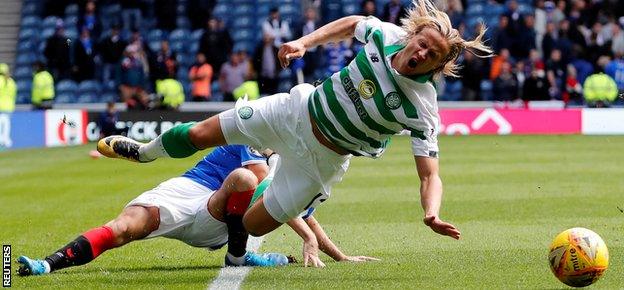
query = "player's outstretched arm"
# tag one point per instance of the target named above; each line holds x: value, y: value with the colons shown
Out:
x: 341, y: 29
x: 431, y: 196
x: 328, y: 247
x: 310, y: 244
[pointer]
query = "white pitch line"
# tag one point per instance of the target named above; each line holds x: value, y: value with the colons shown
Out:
x: 230, y: 278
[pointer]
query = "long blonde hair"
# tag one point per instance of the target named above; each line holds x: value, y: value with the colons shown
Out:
x: 424, y: 14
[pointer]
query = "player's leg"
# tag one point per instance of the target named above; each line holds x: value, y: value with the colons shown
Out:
x: 258, y: 221
x: 229, y: 204
x: 180, y: 141
x: 135, y: 222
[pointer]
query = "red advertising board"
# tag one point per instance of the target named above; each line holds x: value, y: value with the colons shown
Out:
x: 509, y: 121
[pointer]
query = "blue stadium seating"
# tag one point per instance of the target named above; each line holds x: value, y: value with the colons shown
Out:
x: 26, y: 46
x: 108, y: 97
x: 66, y: 87
x: 183, y: 23
x: 23, y: 72
x: 155, y: 35
x: 64, y: 98
x: 154, y: 45
x: 50, y: 21
x: 23, y: 98
x: 31, y: 9
x: 25, y: 59
x: 23, y: 86
x: 70, y: 21
x: 28, y: 34
x: 71, y: 9
x: 31, y: 22
x: 179, y: 35
x: 89, y: 86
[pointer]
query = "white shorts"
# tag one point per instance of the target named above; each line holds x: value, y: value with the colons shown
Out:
x: 184, y: 216
x: 282, y: 122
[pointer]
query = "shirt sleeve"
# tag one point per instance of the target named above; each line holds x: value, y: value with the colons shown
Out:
x: 365, y: 28
x: 250, y: 156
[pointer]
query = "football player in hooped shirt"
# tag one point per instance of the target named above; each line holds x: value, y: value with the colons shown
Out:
x: 202, y: 208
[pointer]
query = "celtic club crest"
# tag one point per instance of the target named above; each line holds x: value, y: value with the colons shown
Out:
x: 245, y: 112
x: 392, y: 101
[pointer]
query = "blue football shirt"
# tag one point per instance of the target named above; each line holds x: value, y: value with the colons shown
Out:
x: 215, y: 167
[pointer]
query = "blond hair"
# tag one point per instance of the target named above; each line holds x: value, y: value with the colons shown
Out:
x: 424, y: 14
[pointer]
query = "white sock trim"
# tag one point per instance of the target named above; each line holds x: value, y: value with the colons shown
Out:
x: 152, y: 150
x: 235, y: 260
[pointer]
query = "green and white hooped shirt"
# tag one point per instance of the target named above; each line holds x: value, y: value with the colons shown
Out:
x: 360, y: 107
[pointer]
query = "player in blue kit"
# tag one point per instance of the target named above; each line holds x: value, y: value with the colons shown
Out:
x: 202, y: 208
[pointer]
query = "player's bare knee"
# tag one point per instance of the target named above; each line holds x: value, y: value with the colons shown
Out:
x: 244, y: 180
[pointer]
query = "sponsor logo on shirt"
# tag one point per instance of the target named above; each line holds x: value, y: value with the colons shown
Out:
x: 367, y: 89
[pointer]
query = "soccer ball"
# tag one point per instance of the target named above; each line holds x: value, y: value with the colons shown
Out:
x: 578, y: 257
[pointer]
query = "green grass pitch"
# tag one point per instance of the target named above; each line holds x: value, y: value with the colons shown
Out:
x: 508, y: 195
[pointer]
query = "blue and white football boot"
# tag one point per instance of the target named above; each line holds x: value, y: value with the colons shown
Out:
x: 31, y: 266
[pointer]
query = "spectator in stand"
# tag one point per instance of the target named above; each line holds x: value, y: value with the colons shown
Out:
x: 369, y: 8
x: 597, y: 46
x: 516, y: 22
x: 90, y: 20
x: 600, y: 90
x: 497, y: 63
x: 8, y: 90
x: 558, y: 12
x: 42, y: 88
x: 200, y: 75
x: 83, y: 67
x: 519, y: 73
x: 582, y: 67
x: 455, y: 11
x: 163, y: 64
x: 200, y: 11
x: 505, y: 86
x: 133, y: 79
x: 541, y: 18
x: 166, y: 14
x: 171, y: 93
x: 534, y: 60
x: 564, y: 43
x: 276, y: 27
x: 107, y: 122
x: 131, y: 14
x: 312, y: 58
x: 215, y: 44
x: 615, y: 69
x: 233, y: 74
x: 573, y: 93
x: 556, y: 74
x: 111, y: 51
x: 56, y: 52
x: 536, y: 86
x: 617, y: 43
x: 569, y: 31
x: 473, y: 71
x: 393, y: 11
x: 549, y: 42
x: 501, y: 36
x: 267, y: 64
x: 525, y: 40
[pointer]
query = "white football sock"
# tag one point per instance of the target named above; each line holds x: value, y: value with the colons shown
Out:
x: 236, y: 260
x: 152, y: 150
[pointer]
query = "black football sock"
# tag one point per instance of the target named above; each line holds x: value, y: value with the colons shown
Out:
x: 77, y: 252
x: 237, y: 235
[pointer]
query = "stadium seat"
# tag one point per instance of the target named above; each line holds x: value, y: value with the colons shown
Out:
x: 486, y: 90
x: 177, y: 46
x: 64, y: 98
x: 28, y: 34
x: 108, y: 97
x: 243, y: 22
x: 72, y: 33
x: 197, y: 34
x: 221, y: 10
x: 179, y: 35
x: 70, y: 21
x: 23, y: 98
x: 31, y: 9
x: 194, y: 48
x: 242, y: 35
x: 23, y: 72
x: 71, y: 10
x: 50, y: 21
x: 183, y: 23
x: 154, y: 45
x: 87, y: 98
x: 26, y: 46
x: 155, y: 35
x: 66, y: 86
x: 243, y: 10
x: 31, y: 22
x: 47, y: 32
x: 25, y: 59
x: 24, y: 86
x: 351, y: 9
x: 89, y: 86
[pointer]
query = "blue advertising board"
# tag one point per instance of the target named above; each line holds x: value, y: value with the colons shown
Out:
x: 22, y: 130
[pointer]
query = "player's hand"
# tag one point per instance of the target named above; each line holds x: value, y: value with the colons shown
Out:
x: 359, y: 259
x: 310, y: 254
x: 289, y: 51
x: 442, y: 227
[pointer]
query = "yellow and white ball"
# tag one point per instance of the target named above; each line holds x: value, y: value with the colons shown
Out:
x: 578, y: 257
